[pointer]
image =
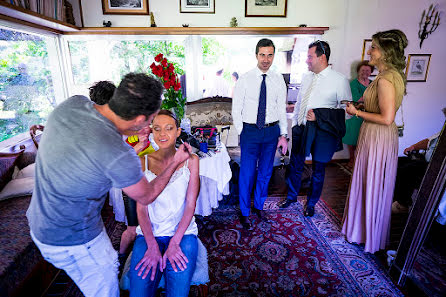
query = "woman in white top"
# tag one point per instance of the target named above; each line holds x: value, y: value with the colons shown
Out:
x: 167, y: 234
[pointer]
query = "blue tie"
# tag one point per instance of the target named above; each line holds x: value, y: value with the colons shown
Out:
x: 261, y: 112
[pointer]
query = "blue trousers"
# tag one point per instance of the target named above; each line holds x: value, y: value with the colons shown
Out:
x: 258, y: 148
x: 297, y: 163
x: 177, y: 283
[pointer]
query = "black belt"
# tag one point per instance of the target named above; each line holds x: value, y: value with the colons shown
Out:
x: 264, y: 126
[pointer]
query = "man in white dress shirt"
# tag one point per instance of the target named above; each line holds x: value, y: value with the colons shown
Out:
x: 259, y: 114
x: 321, y: 91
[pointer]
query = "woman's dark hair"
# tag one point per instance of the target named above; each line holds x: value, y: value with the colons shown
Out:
x: 264, y: 43
x: 168, y: 113
x: 101, y: 92
x: 322, y: 47
x: 235, y: 74
x: 392, y: 44
x: 364, y: 63
x: 137, y: 94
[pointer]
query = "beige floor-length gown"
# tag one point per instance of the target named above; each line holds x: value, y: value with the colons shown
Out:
x: 368, y: 206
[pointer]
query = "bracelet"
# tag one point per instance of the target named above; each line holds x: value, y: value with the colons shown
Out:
x: 356, y: 114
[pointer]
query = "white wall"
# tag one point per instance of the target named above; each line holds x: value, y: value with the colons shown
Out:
x: 350, y: 22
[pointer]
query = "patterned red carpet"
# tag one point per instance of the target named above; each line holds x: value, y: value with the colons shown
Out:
x: 289, y: 255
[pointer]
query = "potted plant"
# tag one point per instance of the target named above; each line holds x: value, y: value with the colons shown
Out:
x: 173, y: 97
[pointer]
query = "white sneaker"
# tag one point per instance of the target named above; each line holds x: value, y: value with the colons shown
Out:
x: 398, y: 208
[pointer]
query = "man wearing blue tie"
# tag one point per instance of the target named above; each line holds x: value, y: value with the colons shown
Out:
x: 259, y: 115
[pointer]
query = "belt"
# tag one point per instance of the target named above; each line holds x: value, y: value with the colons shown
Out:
x: 264, y: 126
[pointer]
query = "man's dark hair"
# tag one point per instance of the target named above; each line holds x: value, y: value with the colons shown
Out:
x: 101, y: 92
x: 322, y: 47
x: 264, y: 43
x: 137, y: 94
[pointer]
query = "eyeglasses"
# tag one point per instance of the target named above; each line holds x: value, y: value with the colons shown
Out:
x: 322, y: 46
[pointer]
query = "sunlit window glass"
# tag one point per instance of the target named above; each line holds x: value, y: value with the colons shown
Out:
x: 112, y: 58
x: 27, y: 81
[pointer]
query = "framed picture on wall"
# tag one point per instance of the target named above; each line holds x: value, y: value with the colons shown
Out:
x: 125, y: 6
x: 197, y: 6
x: 265, y: 8
x: 418, y: 67
x: 365, y: 47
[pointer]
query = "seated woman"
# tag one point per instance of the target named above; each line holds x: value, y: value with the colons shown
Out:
x: 167, y: 232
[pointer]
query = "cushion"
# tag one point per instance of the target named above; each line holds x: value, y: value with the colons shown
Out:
x: 28, y: 171
x: 7, y: 163
x: 18, y: 187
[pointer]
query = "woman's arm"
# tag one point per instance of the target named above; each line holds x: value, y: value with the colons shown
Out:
x: 386, y: 102
x: 173, y: 252
x: 145, y: 192
x: 143, y: 163
x: 152, y: 257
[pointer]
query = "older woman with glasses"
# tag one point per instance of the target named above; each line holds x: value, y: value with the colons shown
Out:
x: 368, y: 208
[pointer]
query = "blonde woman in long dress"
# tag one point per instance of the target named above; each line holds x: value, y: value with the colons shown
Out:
x: 368, y: 207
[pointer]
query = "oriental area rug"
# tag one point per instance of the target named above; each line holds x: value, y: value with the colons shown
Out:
x: 288, y: 255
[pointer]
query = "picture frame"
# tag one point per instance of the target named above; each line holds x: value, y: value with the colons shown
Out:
x: 266, y: 8
x: 197, y: 6
x: 136, y: 7
x: 367, y: 43
x: 418, y: 67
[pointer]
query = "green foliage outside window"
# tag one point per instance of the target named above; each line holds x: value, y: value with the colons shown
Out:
x: 136, y: 56
x: 26, y: 87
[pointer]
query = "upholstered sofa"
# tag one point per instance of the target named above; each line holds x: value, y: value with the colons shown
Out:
x: 20, y: 261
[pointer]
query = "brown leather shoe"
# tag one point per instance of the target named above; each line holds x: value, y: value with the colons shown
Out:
x: 261, y: 214
x: 245, y: 223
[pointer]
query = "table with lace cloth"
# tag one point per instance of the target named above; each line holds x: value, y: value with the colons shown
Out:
x: 215, y: 174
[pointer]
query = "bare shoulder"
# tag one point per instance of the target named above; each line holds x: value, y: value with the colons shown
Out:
x: 194, y: 159
x: 193, y: 162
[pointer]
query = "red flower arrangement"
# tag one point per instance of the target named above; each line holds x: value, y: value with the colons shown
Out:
x: 173, y: 98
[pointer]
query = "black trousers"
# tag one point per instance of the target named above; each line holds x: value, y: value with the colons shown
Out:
x: 409, y: 175
x: 130, y: 210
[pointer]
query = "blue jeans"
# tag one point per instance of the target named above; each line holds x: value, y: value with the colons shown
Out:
x: 258, y: 148
x: 177, y: 283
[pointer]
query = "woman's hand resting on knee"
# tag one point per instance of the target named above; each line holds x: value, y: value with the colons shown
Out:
x: 175, y: 256
x: 152, y: 258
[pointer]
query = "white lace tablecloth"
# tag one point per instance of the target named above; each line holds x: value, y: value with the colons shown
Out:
x: 215, y: 174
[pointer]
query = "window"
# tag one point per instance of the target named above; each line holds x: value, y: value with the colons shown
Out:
x: 29, y: 80
x: 225, y: 58
x: 96, y: 59
x: 211, y: 62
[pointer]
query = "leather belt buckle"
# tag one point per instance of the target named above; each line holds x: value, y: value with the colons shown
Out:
x: 271, y: 124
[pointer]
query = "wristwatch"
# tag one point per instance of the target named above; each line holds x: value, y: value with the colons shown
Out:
x: 284, y: 135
